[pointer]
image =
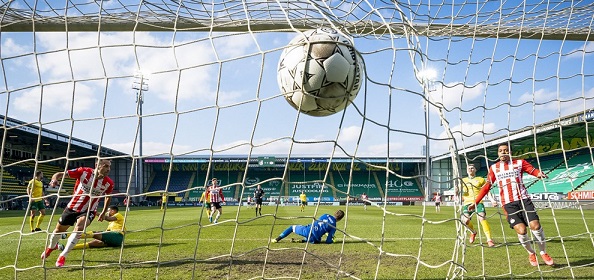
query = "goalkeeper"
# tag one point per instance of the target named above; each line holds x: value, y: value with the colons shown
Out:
x: 325, y: 224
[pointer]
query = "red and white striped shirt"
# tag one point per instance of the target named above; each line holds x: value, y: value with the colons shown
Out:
x: 216, y: 194
x: 508, y: 176
x: 86, y: 193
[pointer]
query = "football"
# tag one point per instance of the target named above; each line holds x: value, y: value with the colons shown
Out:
x: 320, y: 72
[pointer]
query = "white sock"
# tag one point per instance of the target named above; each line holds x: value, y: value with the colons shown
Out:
x: 72, y: 240
x: 540, y: 237
x: 55, y: 237
x: 218, y: 215
x: 525, y: 241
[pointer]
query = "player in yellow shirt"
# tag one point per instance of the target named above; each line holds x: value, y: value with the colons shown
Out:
x: 113, y: 236
x: 303, y: 199
x: 205, y: 197
x: 471, y: 186
x: 36, y: 203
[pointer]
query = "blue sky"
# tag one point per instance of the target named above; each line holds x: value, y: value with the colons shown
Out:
x: 219, y: 94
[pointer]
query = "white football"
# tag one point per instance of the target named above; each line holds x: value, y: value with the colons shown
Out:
x: 320, y: 72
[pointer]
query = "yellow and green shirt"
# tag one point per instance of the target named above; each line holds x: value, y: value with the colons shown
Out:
x: 36, y: 187
x: 471, y: 188
x: 118, y: 224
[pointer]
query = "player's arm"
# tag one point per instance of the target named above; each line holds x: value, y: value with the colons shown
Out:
x: 30, y: 187
x: 106, y: 204
x: 56, y: 179
x: 482, y: 193
x: 330, y: 238
x: 492, y: 199
x: 528, y: 168
x: 222, y: 196
x: 110, y: 218
x: 486, y: 187
x: 331, y: 232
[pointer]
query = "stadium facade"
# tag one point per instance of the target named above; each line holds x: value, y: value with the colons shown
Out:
x: 561, y: 148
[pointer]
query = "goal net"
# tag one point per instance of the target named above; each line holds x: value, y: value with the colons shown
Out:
x: 160, y: 81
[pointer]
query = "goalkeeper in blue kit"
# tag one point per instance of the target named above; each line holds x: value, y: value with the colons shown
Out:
x: 325, y: 224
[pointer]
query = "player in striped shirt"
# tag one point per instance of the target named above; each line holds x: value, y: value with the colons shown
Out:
x: 520, y: 211
x: 91, y: 185
x: 216, y: 198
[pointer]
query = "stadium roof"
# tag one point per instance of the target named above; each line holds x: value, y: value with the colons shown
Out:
x: 19, y: 133
x: 564, y: 134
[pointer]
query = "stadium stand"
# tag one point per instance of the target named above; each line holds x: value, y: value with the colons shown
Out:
x: 368, y: 184
x: 11, y: 184
x: 562, y: 178
x: 179, y: 181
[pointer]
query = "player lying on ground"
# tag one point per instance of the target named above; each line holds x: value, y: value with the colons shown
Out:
x: 113, y: 235
x: 313, y: 232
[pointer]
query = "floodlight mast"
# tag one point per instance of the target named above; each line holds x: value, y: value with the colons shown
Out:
x: 427, y: 76
x: 140, y: 86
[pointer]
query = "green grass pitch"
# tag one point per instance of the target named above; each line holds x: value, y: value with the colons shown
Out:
x: 180, y: 243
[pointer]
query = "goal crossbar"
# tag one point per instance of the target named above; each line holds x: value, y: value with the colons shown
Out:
x: 569, y: 23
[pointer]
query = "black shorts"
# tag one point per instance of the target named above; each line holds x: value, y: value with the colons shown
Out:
x: 69, y: 216
x: 216, y: 205
x: 259, y: 201
x: 437, y: 203
x: 520, y: 212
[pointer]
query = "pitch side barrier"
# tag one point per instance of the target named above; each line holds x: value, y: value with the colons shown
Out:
x: 564, y: 204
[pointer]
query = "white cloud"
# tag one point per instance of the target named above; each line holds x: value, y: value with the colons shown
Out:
x: 379, y: 150
x: 566, y: 105
x: 582, y: 51
x: 349, y: 134
x: 10, y: 48
x: 539, y: 96
x: 465, y: 134
x: 456, y: 94
x: 56, y: 97
x: 185, y: 73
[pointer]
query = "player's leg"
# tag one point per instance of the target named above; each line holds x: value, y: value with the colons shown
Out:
x: 106, y: 239
x: 260, y: 209
x: 515, y: 217
x: 219, y: 212
x: 82, y: 222
x: 91, y: 244
x: 54, y: 238
x: 40, y: 219
x: 213, y: 209
x: 482, y: 217
x: 208, y: 208
x: 67, y: 219
x: 466, y: 218
x: 537, y: 231
x: 32, y: 217
x: 286, y: 232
